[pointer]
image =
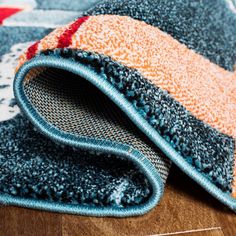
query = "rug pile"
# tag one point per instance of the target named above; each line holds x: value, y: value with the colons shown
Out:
x: 107, y: 94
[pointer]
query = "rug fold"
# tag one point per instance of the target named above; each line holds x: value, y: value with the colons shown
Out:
x: 127, y: 92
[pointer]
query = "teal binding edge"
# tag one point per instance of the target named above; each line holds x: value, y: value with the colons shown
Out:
x: 120, y: 149
x: 84, y: 143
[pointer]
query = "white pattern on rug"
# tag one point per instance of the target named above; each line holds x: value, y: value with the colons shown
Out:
x: 8, y: 108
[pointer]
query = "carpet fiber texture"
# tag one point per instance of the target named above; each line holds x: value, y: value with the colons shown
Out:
x: 110, y: 99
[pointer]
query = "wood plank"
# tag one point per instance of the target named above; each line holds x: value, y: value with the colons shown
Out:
x: 227, y: 221
x: 15, y: 221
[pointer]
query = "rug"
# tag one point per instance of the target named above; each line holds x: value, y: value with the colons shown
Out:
x: 109, y: 99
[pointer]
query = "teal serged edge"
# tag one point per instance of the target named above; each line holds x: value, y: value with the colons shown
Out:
x: 105, y: 146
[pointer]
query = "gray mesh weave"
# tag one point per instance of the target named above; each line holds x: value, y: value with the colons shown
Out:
x: 72, y: 104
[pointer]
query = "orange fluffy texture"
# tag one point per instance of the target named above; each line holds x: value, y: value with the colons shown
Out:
x: 202, y: 87
x: 205, y: 89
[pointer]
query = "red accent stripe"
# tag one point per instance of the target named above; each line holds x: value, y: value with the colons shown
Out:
x: 66, y: 38
x: 7, y: 12
x: 32, y: 50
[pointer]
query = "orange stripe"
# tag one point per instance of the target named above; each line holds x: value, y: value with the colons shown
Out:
x: 205, y: 89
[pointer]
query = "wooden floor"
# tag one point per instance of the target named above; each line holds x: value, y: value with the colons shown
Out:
x: 186, y: 209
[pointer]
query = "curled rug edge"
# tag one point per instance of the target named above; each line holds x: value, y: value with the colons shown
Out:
x: 125, y: 151
x: 89, y: 209
x: 101, y: 83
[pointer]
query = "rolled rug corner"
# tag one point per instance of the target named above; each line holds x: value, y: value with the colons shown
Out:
x: 130, y: 91
x: 74, y: 98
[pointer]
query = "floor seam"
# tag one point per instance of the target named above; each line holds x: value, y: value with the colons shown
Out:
x: 188, y: 231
